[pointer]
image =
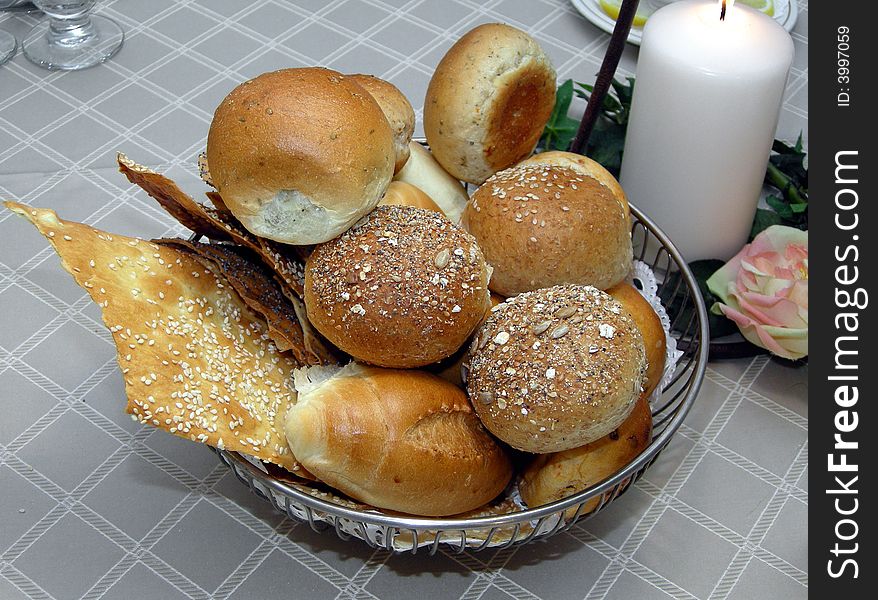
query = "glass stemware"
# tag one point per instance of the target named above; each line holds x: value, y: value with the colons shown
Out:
x: 25, y: 6
x: 7, y: 46
x: 72, y: 38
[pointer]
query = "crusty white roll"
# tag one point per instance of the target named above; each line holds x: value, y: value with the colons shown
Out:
x: 555, y: 368
x: 552, y: 477
x: 422, y: 171
x: 583, y: 165
x: 650, y: 326
x: 405, y: 441
x: 488, y: 101
x: 299, y: 155
x: 397, y: 109
x: 544, y: 225
x: 403, y: 288
x: 400, y: 193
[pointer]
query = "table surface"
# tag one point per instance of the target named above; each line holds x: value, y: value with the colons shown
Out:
x: 94, y: 505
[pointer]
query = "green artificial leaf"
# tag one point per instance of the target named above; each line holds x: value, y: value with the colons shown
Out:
x: 780, y: 207
x: 606, y: 145
x: 786, y: 172
x: 607, y: 139
x: 701, y: 270
x: 793, y: 166
x: 560, y: 129
x: 610, y: 105
x: 625, y: 93
x: 763, y: 220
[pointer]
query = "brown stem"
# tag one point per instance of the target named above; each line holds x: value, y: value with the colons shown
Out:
x: 605, y: 76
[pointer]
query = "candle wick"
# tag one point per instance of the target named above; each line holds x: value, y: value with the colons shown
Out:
x: 722, y: 11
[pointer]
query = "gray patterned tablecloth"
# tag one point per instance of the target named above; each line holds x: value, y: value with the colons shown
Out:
x: 93, y: 505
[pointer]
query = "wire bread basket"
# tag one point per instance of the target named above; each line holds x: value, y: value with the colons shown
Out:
x: 508, y: 524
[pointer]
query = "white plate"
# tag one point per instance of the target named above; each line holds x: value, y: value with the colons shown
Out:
x: 785, y: 12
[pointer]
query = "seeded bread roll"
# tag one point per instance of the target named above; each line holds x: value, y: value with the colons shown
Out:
x: 651, y: 329
x: 299, y: 155
x: 398, y: 111
x: 402, y: 440
x: 584, y: 166
x: 422, y: 171
x: 555, y: 368
x: 541, y: 225
x: 488, y: 101
x: 405, y: 194
x: 451, y: 369
x: 552, y: 477
x: 403, y: 288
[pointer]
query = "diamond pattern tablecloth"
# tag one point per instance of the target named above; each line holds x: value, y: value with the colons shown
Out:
x: 93, y: 505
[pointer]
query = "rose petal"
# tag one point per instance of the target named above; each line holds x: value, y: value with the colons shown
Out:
x: 770, y: 310
x: 780, y: 236
x: 719, y: 282
x: 764, y: 290
x: 753, y: 331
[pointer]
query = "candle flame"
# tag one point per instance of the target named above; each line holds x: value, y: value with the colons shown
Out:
x: 725, y: 6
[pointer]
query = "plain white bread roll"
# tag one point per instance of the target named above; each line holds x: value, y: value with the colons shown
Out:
x: 400, y: 193
x: 396, y: 108
x: 488, y: 101
x: 403, y: 288
x: 298, y: 155
x: 542, y: 225
x: 422, y: 171
x: 555, y: 368
x: 405, y: 441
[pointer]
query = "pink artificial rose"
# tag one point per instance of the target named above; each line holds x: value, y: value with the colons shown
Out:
x: 764, y: 290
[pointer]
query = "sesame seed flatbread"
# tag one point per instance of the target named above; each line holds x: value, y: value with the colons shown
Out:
x: 257, y: 287
x: 168, y: 194
x: 216, y: 223
x: 196, y: 360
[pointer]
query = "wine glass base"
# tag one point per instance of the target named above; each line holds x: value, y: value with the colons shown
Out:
x: 103, y: 43
x: 7, y: 46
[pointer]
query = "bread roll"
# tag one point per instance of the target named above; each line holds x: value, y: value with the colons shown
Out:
x: 450, y: 369
x: 404, y: 194
x: 400, y: 440
x: 488, y: 101
x: 555, y: 368
x: 422, y: 171
x: 398, y: 111
x: 553, y: 477
x: 541, y: 226
x: 650, y: 326
x: 299, y: 155
x: 584, y: 166
x: 404, y: 287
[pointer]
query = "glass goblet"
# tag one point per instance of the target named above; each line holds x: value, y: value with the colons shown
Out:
x: 71, y: 38
x: 7, y: 46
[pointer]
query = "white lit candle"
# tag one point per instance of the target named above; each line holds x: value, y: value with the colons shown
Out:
x: 705, y: 109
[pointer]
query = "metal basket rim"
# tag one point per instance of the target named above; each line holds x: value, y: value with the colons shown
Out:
x: 233, y: 459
